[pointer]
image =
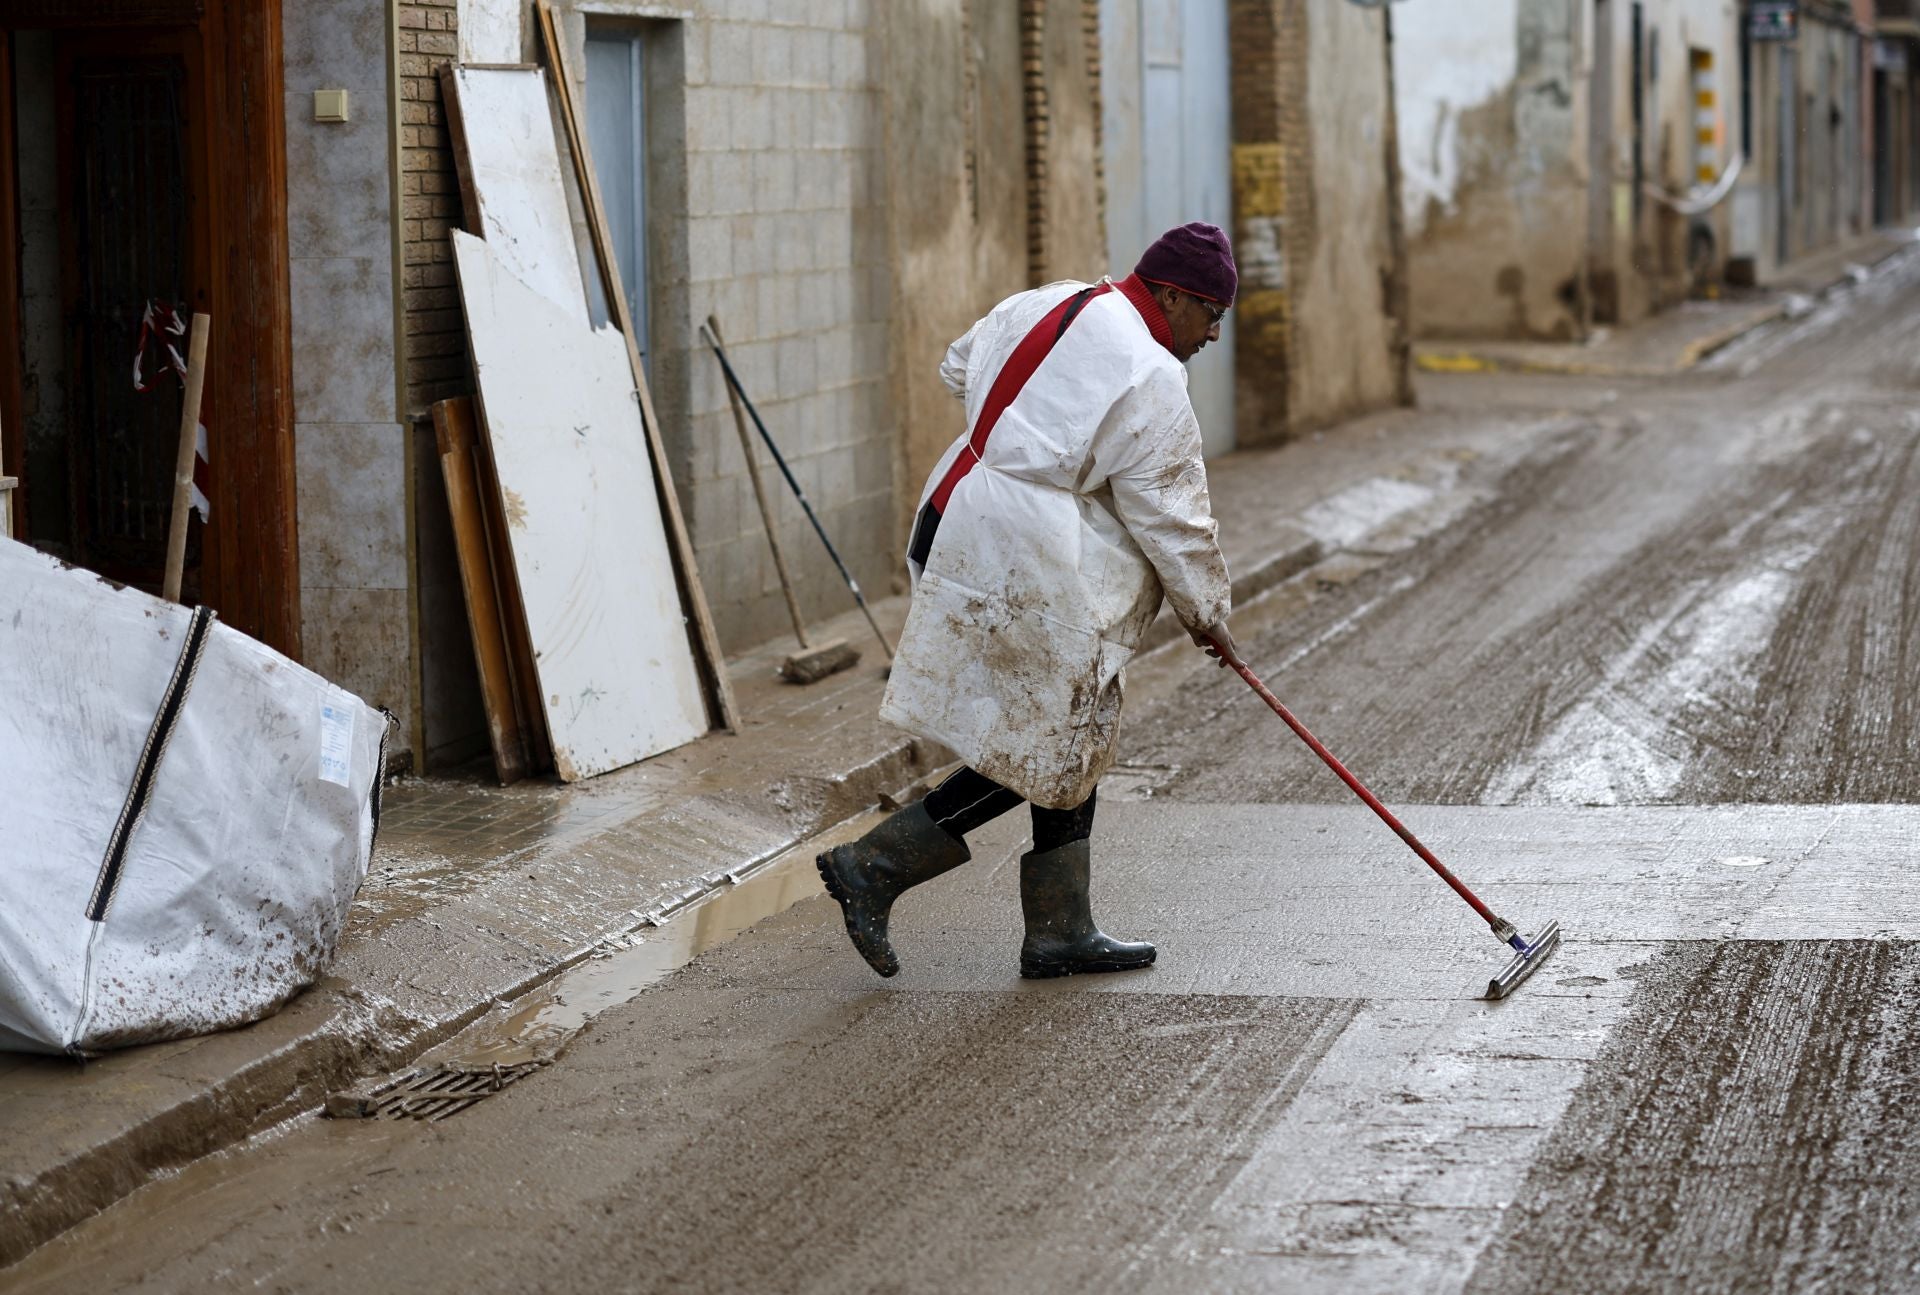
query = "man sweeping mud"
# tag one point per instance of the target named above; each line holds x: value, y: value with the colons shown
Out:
x: 1045, y: 539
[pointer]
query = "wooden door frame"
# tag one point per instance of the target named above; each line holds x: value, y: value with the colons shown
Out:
x: 251, y: 568
x: 13, y: 445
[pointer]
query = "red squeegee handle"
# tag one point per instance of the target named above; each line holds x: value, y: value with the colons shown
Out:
x: 1359, y: 789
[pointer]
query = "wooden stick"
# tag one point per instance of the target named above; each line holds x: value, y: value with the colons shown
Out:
x: 748, y: 448
x: 525, y: 675
x: 453, y: 427
x: 678, y: 541
x: 183, y: 458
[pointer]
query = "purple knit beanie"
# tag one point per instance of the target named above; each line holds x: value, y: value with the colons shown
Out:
x: 1195, y: 258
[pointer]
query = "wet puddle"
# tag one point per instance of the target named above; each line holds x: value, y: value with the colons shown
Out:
x: 537, y: 1025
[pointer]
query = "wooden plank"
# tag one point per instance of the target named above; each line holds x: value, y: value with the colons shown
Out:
x: 523, y: 676
x: 453, y: 428
x: 184, y: 456
x: 694, y: 594
x: 618, y: 678
x: 510, y: 180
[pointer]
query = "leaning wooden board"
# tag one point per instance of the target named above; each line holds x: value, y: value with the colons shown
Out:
x: 453, y: 426
x: 510, y: 180
x: 618, y: 679
x: 713, y: 662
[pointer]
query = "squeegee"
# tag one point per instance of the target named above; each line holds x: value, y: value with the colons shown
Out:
x: 1528, y: 954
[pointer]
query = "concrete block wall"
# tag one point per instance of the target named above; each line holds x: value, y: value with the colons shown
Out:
x: 350, y: 446
x: 767, y: 209
x: 855, y: 188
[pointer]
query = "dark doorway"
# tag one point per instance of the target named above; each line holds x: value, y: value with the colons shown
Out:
x: 134, y: 141
x: 125, y: 163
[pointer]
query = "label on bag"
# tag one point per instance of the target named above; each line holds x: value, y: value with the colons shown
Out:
x: 336, y: 741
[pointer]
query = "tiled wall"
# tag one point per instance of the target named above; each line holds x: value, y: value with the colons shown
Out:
x: 784, y: 238
x: 350, y: 446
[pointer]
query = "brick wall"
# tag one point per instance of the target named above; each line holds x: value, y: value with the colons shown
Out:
x: 1273, y: 205
x: 1090, y: 34
x: 435, y: 343
x: 1033, y: 88
x: 1321, y: 329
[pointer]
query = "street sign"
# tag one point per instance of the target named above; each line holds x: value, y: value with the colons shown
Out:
x: 1774, y: 19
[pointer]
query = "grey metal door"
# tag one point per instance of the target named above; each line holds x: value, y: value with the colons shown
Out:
x: 617, y: 134
x: 1167, y: 131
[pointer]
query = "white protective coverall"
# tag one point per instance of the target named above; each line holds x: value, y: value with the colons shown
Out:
x: 1089, y: 502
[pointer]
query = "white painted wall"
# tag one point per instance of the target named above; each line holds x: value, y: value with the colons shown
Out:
x: 490, y: 31
x: 1448, y: 57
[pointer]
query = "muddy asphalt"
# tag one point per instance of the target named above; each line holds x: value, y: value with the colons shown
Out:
x: 1662, y: 685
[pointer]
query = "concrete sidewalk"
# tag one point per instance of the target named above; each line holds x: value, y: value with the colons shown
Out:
x: 1674, y: 340
x: 479, y: 893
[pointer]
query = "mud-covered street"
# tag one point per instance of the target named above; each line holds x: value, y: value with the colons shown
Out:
x: 1660, y: 681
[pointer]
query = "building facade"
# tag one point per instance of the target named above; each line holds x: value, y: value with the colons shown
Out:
x: 1551, y: 152
x: 1893, y: 106
x: 1806, y: 129
x: 845, y: 185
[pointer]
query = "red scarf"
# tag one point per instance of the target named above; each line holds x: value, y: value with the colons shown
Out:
x: 1135, y: 289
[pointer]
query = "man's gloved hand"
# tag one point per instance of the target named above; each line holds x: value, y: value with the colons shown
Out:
x: 1226, y: 653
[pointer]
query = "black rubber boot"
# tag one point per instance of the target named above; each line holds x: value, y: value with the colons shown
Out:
x: 867, y: 875
x: 1061, y: 937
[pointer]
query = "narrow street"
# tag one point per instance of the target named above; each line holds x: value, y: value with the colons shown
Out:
x: 1663, y: 685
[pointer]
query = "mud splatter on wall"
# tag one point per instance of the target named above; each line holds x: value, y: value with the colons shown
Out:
x: 1494, y: 181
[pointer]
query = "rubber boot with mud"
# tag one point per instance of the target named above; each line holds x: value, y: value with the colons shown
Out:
x: 867, y: 875
x: 1061, y: 937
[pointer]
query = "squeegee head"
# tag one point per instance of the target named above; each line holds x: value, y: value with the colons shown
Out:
x: 1525, y: 962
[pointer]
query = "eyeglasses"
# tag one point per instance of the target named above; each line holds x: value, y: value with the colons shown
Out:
x: 1214, y: 313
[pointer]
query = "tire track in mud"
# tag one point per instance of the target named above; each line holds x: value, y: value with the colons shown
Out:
x: 1866, y: 334
x: 1754, y: 639
x: 1733, y: 1138
x: 1841, y: 671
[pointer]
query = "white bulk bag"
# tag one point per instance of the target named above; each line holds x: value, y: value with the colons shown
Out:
x: 187, y: 815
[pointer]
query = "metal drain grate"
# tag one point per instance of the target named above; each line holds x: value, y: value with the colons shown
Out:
x: 432, y: 1094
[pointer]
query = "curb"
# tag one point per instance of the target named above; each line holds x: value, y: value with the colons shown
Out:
x: 1438, y: 358
x: 337, y: 1033
x: 1434, y: 360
